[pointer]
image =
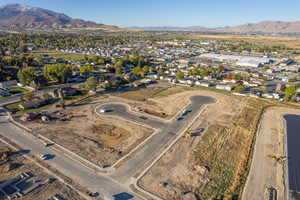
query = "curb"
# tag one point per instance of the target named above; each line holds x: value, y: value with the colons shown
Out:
x: 136, y: 185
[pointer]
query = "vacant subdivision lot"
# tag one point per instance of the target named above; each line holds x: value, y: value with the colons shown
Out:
x: 213, y: 163
x: 144, y: 100
x: 33, y: 182
x: 102, y: 140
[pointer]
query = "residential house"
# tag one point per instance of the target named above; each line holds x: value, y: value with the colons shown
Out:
x: 224, y: 87
x: 34, y: 103
x: 8, y: 84
x: 4, y: 92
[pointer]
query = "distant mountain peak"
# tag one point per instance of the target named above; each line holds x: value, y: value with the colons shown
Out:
x: 17, y: 16
x: 267, y: 27
x: 18, y: 6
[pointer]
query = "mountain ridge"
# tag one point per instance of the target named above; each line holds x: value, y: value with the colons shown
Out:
x: 260, y: 27
x: 16, y: 16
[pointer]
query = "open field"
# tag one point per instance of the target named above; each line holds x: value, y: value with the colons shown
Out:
x: 291, y: 42
x: 58, y: 54
x: 17, y: 164
x: 102, y: 140
x: 14, y: 107
x: 213, y: 165
x: 144, y: 99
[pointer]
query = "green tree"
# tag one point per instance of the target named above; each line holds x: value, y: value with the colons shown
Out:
x: 27, y: 75
x: 204, y: 73
x: 119, y: 70
x: 266, y: 67
x: 289, y: 92
x: 40, y: 60
x: 86, y: 68
x: 194, y: 71
x: 27, y: 97
x: 146, y: 69
x: 101, y: 61
x: 91, y: 83
x: 8, y: 60
x: 138, y: 71
x: 239, y: 89
x: 58, y: 72
x: 237, y: 77
x: 180, y: 75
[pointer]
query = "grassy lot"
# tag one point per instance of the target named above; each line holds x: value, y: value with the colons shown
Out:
x: 17, y: 90
x: 226, y: 150
x: 15, y: 108
x: 67, y: 56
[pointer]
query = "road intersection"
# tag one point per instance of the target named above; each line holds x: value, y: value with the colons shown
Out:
x: 117, y: 182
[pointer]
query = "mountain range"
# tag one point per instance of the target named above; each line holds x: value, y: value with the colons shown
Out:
x: 268, y: 27
x: 16, y: 16
x: 261, y: 27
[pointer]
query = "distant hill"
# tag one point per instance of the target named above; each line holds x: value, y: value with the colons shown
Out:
x: 261, y: 27
x: 174, y: 28
x: 267, y: 27
x: 16, y: 16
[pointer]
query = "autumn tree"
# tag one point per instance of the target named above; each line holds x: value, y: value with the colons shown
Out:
x: 58, y: 72
x: 27, y: 75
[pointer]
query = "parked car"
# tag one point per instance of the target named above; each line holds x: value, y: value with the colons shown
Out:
x: 179, y: 118
x: 46, y: 156
x: 103, y: 110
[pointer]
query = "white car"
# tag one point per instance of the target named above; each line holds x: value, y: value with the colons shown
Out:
x: 43, y: 156
x: 103, y: 110
x: 47, y: 156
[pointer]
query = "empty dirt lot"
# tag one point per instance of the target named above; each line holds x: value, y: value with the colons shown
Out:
x: 102, y: 140
x: 17, y: 164
x: 215, y: 164
x: 145, y: 99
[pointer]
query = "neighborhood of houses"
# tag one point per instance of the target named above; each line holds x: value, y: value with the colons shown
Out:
x: 186, y: 62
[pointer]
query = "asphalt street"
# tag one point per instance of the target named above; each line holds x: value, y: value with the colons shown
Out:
x: 168, y: 131
x: 117, y: 183
x: 80, y: 174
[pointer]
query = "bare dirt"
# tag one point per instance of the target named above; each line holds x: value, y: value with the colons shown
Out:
x: 17, y: 164
x: 102, y: 140
x: 270, y: 141
x: 214, y: 164
x: 141, y: 94
x: 292, y: 42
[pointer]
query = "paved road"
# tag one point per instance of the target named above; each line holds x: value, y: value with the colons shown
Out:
x: 117, y: 182
x: 168, y: 131
x: 10, y: 100
x: 80, y: 174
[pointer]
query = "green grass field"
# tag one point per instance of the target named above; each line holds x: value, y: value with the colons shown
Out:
x: 68, y: 56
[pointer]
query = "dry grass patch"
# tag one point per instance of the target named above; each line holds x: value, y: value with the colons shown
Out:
x: 215, y: 165
x: 226, y: 151
x: 140, y: 94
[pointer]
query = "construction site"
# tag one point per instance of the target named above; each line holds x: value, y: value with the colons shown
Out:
x: 212, y: 157
x: 22, y: 179
x: 101, y: 140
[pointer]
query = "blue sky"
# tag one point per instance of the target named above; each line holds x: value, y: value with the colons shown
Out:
x: 208, y: 13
